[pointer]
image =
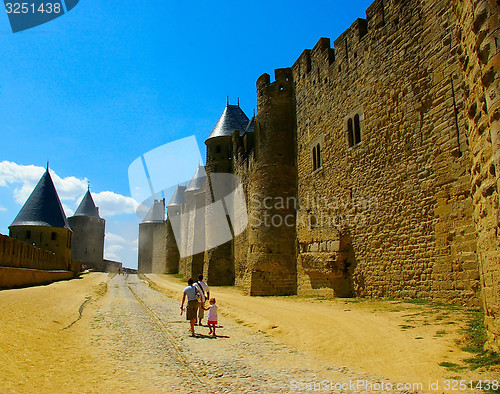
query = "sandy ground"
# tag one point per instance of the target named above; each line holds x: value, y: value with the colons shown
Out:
x: 110, y: 333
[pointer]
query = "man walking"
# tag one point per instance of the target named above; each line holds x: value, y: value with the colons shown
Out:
x: 190, y: 292
x: 204, y: 291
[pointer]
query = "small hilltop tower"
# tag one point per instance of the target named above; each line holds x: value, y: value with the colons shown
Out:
x: 88, y: 234
x: 174, y: 209
x: 152, y: 240
x: 41, y: 221
x: 193, y: 225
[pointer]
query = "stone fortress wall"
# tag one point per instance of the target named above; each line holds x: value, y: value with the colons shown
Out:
x: 22, y: 264
x: 390, y: 142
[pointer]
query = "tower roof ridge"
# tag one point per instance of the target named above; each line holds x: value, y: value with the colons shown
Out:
x: 198, y: 179
x: 43, y: 207
x: 87, y: 206
x: 178, y: 198
x: 156, y: 213
x: 233, y: 118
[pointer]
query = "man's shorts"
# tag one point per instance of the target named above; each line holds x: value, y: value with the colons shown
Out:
x: 192, y: 308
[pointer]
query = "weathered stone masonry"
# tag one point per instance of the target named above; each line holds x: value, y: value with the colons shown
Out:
x: 390, y: 142
x: 477, y: 39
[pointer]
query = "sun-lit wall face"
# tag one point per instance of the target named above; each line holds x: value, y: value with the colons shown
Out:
x: 54, y: 239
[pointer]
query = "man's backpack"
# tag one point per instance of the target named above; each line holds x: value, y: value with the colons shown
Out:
x: 199, y: 290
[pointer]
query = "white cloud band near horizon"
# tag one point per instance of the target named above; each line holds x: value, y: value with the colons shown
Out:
x: 23, y: 179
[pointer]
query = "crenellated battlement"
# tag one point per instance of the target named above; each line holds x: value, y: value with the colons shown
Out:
x: 283, y: 82
x: 375, y: 14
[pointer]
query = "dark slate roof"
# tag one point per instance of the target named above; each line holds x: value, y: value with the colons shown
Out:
x: 156, y: 213
x: 43, y: 207
x: 87, y: 207
x: 250, y: 126
x: 178, y: 198
x: 198, y: 179
x: 233, y: 118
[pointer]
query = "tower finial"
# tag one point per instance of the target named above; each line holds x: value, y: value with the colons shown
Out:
x: 254, y: 112
x: 47, y: 166
x: 238, y: 101
x: 88, y: 185
x: 227, y: 100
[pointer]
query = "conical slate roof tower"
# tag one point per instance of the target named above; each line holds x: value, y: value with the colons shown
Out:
x: 156, y: 213
x: 88, y: 237
x: 197, y: 181
x: 43, y: 207
x: 41, y: 221
x: 87, y: 206
x: 178, y: 198
x: 233, y: 118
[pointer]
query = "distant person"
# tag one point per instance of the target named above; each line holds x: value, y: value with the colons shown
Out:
x: 204, y: 291
x: 211, y: 316
x: 192, y: 304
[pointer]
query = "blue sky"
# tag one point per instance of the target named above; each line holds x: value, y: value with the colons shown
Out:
x: 94, y: 89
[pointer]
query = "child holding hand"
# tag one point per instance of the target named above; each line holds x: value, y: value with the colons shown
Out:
x: 212, y: 316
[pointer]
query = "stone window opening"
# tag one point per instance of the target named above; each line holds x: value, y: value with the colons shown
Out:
x: 354, y: 130
x: 313, y: 221
x: 357, y: 130
x: 350, y: 132
x: 217, y: 149
x: 53, y: 236
x: 28, y: 234
x: 316, y: 157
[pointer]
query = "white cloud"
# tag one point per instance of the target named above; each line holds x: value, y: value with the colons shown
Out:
x: 111, y: 252
x: 114, y: 248
x: 111, y: 256
x: 3, y: 209
x: 24, y: 179
x: 115, y: 239
x: 111, y: 204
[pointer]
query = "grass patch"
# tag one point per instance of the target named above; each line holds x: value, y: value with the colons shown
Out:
x: 475, y: 334
x: 452, y: 366
x: 440, y: 333
x: 475, y: 338
x: 419, y: 302
x: 485, y: 360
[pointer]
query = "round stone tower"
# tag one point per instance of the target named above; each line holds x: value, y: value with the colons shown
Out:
x: 219, y: 261
x: 41, y: 221
x: 88, y: 234
x: 272, y: 190
x: 152, y: 240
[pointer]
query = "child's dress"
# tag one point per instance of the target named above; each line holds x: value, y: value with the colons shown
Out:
x: 212, y: 314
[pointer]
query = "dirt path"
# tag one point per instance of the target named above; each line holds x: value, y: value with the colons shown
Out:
x: 404, y: 342
x: 110, y: 333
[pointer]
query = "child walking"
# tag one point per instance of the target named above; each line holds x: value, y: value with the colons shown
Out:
x: 212, y: 316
